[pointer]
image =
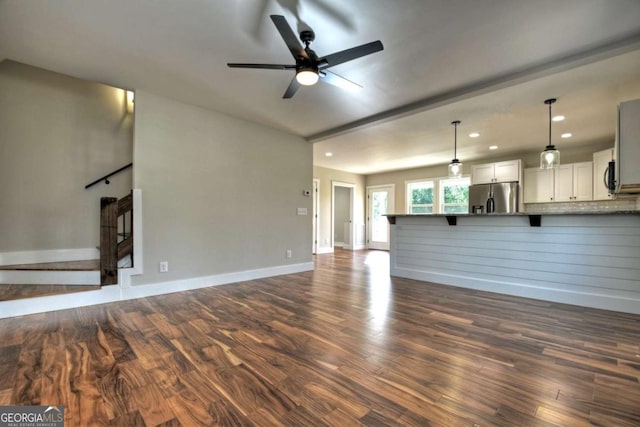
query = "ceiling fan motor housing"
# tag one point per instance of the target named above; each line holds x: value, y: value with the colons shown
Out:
x: 307, y: 36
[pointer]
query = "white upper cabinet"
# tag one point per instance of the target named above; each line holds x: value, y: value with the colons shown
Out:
x: 568, y: 183
x: 507, y: 171
x: 482, y: 174
x: 496, y: 172
x: 628, y: 147
x: 573, y: 182
x: 601, y: 161
x: 583, y: 181
x: 538, y: 185
x: 563, y: 183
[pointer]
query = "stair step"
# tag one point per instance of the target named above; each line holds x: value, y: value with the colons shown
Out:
x: 73, y: 273
x: 10, y: 292
x: 83, y: 265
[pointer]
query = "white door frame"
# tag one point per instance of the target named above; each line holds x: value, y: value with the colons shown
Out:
x: 391, y: 201
x: 352, y: 191
x: 316, y: 216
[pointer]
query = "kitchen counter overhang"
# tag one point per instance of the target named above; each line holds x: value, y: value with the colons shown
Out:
x: 581, y: 258
x: 535, y: 218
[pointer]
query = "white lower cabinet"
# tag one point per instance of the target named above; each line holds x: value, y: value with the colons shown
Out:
x: 568, y: 183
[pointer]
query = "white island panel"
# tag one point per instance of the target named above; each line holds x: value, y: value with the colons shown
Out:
x: 588, y: 260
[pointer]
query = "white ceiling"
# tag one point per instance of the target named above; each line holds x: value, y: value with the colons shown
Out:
x: 488, y: 63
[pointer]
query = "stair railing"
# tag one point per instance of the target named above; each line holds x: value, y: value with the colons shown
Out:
x: 116, y: 237
x: 107, y: 176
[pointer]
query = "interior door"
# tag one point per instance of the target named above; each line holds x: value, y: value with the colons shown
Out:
x: 315, y: 195
x: 379, y: 200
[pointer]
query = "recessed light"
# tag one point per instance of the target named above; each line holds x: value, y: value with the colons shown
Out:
x: 474, y: 135
x: 558, y: 118
x: 493, y: 147
x: 328, y: 154
x: 566, y: 135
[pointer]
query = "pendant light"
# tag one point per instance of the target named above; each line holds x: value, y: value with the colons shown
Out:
x: 455, y: 167
x: 550, y: 157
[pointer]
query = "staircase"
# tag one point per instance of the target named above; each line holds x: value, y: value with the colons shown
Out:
x: 53, y: 278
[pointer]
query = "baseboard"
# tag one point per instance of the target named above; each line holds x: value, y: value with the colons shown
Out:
x: 125, y: 262
x: 354, y: 248
x: 593, y: 300
x: 139, y: 291
x: 324, y: 250
x: 116, y: 293
x: 50, y: 255
x: 124, y: 274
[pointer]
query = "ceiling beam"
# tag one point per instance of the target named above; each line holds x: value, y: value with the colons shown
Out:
x: 536, y: 71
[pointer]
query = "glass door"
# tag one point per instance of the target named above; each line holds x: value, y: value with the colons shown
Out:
x: 379, y: 200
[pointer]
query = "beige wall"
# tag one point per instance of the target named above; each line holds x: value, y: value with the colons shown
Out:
x: 219, y: 194
x: 57, y: 134
x: 398, y: 178
x: 326, y: 177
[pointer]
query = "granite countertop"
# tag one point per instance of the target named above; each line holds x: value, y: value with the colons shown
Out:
x: 603, y: 212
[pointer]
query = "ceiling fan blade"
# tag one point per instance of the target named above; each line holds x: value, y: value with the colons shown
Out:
x: 262, y: 66
x: 289, y: 36
x: 339, y: 81
x: 292, y: 89
x: 349, y: 54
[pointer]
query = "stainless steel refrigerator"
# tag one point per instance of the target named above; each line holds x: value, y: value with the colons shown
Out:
x: 489, y: 198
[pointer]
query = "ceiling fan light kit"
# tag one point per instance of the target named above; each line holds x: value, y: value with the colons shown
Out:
x: 309, y: 67
x: 550, y: 157
x: 307, y: 76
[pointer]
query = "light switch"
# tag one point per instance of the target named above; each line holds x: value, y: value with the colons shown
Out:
x: 302, y: 211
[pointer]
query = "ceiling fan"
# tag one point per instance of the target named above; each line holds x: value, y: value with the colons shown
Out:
x: 309, y: 68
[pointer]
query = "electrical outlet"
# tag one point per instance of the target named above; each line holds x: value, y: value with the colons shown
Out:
x: 164, y: 266
x: 289, y: 253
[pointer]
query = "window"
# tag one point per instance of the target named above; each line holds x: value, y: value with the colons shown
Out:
x: 454, y: 195
x: 442, y: 195
x: 420, y: 197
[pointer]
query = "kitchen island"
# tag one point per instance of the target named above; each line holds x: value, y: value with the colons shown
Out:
x: 583, y: 258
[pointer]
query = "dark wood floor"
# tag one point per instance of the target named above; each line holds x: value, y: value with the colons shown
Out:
x: 343, y: 345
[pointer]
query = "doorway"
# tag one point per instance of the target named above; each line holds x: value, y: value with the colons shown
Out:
x: 380, y: 200
x: 316, y: 222
x: 342, y: 232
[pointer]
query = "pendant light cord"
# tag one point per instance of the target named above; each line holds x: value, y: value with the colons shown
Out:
x: 455, y: 139
x: 550, y: 120
x: 550, y: 102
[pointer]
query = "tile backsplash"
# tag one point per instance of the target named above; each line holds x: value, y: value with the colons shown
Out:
x: 626, y: 204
